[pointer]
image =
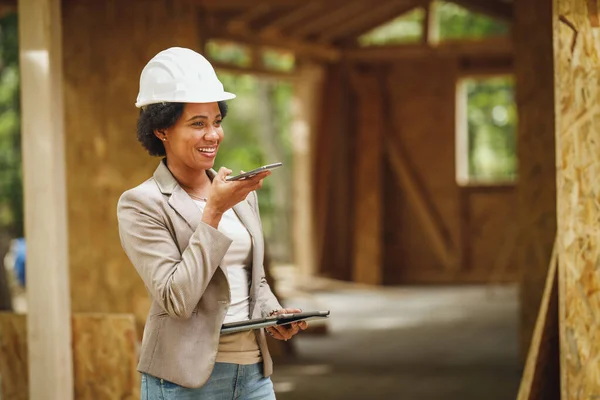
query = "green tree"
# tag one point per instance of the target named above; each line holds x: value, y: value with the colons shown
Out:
x: 11, y: 191
x: 492, y: 118
x: 456, y: 22
x: 257, y: 132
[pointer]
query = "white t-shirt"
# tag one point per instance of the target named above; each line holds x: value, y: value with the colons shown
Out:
x: 242, y: 347
x: 237, y: 262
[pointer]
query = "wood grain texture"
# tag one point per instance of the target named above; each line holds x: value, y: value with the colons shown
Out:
x: 536, y: 189
x: 105, y: 48
x: 577, y: 60
x: 13, y: 357
x: 104, y: 357
x: 43, y: 143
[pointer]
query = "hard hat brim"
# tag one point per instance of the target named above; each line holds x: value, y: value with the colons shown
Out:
x: 223, y: 96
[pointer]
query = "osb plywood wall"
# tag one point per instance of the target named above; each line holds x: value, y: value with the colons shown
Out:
x: 106, y: 44
x: 418, y: 117
x: 104, y: 357
x: 13, y: 357
x: 536, y: 207
x: 577, y: 60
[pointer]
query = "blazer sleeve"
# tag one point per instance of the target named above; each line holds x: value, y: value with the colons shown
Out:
x: 175, y: 280
x: 267, y: 300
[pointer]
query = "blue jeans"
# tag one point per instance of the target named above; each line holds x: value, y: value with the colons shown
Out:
x: 227, y: 382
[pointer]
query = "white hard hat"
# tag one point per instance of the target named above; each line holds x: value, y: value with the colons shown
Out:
x: 182, y: 76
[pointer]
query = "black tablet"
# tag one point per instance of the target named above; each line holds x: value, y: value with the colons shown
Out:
x: 279, y: 319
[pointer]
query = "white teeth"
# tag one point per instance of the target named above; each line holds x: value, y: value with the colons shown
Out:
x: 207, y: 149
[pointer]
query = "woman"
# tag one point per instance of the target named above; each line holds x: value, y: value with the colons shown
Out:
x: 196, y: 241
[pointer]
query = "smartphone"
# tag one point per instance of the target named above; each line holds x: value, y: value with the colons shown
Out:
x: 249, y: 174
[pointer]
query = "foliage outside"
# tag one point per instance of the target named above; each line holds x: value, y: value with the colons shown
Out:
x: 11, y: 191
x: 491, y: 129
x: 453, y: 22
x: 257, y: 132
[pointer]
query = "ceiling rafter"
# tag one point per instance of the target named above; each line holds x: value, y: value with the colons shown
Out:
x: 218, y: 5
x: 316, y: 50
x: 332, y: 16
x: 493, y: 8
x: 244, y: 19
x: 492, y: 47
x: 369, y: 20
x: 294, y: 16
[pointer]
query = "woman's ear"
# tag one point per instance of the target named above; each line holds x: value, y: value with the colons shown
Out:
x: 161, y: 134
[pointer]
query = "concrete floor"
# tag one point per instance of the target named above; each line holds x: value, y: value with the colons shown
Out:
x: 429, y: 343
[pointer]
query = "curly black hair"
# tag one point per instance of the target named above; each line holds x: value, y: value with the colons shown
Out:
x: 161, y: 116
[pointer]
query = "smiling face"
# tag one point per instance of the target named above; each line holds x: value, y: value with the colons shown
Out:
x: 193, y: 141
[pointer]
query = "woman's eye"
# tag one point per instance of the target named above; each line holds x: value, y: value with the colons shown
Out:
x: 218, y: 123
x: 198, y: 123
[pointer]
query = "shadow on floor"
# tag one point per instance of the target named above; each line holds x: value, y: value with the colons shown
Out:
x: 455, y: 343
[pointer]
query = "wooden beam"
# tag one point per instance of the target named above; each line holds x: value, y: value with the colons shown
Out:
x: 367, y: 265
x: 430, y: 25
x: 378, y: 15
x: 305, y: 109
x: 326, y: 155
x: 220, y: 5
x: 243, y: 20
x: 480, y: 48
x: 276, y: 26
x: 256, y: 71
x: 537, y: 151
x: 494, y: 8
x: 319, y: 51
x: 332, y: 16
x: 491, y: 65
x: 424, y: 209
x: 48, y: 295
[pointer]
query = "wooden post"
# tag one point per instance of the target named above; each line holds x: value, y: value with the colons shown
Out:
x: 536, y: 187
x: 367, y: 251
x: 305, y: 107
x: 49, y: 310
x: 430, y: 25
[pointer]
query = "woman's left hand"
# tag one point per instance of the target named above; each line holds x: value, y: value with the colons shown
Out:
x: 285, y: 332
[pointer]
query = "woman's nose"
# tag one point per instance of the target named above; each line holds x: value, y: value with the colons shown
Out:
x: 212, y: 134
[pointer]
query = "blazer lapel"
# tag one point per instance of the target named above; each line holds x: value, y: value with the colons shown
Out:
x: 183, y: 204
x: 179, y: 200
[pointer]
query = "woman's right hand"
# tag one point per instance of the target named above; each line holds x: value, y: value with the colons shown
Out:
x: 224, y: 195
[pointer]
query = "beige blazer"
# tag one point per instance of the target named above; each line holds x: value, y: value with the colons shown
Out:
x: 177, y: 256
